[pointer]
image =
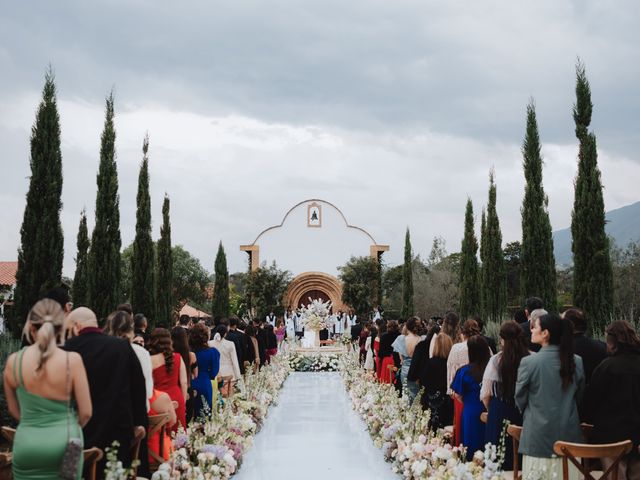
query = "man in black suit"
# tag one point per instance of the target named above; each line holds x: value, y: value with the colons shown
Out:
x: 592, y: 351
x: 532, y: 303
x: 233, y: 335
x: 355, y: 331
x: 261, y: 336
x: 116, y: 384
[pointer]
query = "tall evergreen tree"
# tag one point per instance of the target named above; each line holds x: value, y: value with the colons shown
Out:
x: 593, y: 278
x: 81, y: 278
x: 407, y: 279
x: 165, y: 270
x: 469, y: 284
x: 494, y: 282
x: 537, y: 263
x: 41, y: 239
x: 104, y: 257
x: 483, y: 256
x: 143, y: 292
x: 220, y: 304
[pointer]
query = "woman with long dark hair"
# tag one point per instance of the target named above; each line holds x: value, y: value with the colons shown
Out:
x: 499, y: 386
x: 404, y: 345
x: 466, y: 390
x: 169, y: 371
x: 548, y: 388
x: 612, y: 401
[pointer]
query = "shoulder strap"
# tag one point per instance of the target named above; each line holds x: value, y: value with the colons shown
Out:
x: 68, y: 397
x: 17, y: 368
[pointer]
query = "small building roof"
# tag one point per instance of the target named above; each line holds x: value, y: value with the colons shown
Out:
x: 8, y: 272
x: 193, y: 312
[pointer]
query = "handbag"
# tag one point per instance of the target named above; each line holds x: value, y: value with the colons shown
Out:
x: 73, y: 448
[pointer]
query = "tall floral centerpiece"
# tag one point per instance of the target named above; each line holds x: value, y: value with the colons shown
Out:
x: 314, y: 317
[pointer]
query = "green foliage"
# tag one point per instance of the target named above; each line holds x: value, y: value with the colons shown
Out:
x: 511, y: 254
x: 493, y: 284
x: 8, y: 345
x: 358, y: 277
x: 266, y: 286
x: 469, y: 286
x: 164, y: 263
x: 104, y: 256
x: 81, y: 278
x: 407, y: 279
x: 143, y: 261
x: 190, y: 279
x: 41, y: 240
x: 220, y: 304
x: 626, y: 281
x: 437, y: 285
x: 538, y: 266
x: 593, y: 278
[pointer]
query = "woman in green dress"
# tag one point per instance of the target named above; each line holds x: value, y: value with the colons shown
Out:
x: 39, y: 382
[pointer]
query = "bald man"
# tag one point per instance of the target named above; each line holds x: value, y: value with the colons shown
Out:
x: 116, y: 384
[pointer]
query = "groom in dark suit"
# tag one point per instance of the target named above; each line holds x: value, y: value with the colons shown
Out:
x: 116, y: 384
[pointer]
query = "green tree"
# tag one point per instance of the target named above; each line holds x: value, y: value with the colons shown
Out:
x: 143, y: 264
x: 220, y: 303
x: 104, y: 256
x: 359, y: 276
x: 266, y: 287
x: 407, y: 279
x: 469, y: 285
x: 593, y: 278
x: 81, y: 278
x: 165, y: 269
x: 494, y: 285
x: 511, y: 254
x: 41, y: 240
x: 190, y: 280
x: 537, y: 263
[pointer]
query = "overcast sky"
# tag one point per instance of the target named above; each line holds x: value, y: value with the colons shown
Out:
x: 394, y: 111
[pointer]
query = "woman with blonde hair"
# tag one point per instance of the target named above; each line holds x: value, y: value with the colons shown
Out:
x: 39, y: 382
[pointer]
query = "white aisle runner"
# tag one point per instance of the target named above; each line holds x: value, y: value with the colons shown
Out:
x: 313, y: 434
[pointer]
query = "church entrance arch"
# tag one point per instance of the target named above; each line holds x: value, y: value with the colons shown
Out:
x: 314, y: 285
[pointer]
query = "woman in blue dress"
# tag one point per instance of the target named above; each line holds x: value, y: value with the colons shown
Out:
x: 208, y: 359
x: 466, y: 388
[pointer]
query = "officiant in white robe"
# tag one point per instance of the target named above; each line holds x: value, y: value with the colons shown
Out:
x: 289, y: 324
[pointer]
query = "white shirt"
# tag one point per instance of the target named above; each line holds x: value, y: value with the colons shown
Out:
x: 271, y: 320
x: 144, y: 357
x: 229, y: 366
x: 458, y: 357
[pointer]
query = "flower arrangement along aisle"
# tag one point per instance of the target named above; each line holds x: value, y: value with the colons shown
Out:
x: 402, y: 431
x: 213, y: 447
x: 315, y: 316
x: 321, y: 362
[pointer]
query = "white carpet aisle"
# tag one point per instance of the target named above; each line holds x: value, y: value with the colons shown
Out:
x: 313, y: 434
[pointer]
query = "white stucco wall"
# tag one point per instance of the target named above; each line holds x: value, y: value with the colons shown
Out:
x: 299, y: 248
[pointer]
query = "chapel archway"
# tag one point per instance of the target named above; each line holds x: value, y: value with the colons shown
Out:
x: 315, y: 285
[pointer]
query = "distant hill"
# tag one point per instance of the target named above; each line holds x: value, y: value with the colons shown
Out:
x: 623, y: 225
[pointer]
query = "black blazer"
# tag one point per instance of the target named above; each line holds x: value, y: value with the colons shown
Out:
x: 117, y: 388
x: 237, y: 338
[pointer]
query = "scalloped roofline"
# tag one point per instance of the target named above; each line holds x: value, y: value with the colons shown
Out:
x: 314, y: 200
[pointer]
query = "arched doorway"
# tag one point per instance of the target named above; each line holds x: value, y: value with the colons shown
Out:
x: 315, y: 285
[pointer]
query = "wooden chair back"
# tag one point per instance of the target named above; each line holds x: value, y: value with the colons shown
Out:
x: 138, y: 435
x: 515, y: 431
x: 91, y: 458
x: 569, y: 451
x: 9, y: 434
x: 157, y: 424
x: 5, y: 466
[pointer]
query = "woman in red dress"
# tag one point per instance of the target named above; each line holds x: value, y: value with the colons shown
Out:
x: 169, y: 372
x: 382, y: 328
x: 386, y: 353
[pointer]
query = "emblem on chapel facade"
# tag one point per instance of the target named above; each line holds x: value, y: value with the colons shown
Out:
x: 314, y: 215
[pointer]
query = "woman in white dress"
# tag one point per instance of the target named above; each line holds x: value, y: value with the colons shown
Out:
x: 229, y: 367
x: 369, y: 363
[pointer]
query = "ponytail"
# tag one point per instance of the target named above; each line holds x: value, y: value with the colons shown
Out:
x: 47, y: 318
x: 567, y: 360
x: 46, y: 341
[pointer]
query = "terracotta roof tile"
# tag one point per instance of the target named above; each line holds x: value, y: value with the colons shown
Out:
x: 8, y: 273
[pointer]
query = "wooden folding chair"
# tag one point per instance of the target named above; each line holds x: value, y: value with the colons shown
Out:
x: 157, y: 424
x: 5, y: 466
x: 91, y: 458
x: 572, y: 451
x: 138, y: 435
x: 9, y: 433
x: 515, y: 431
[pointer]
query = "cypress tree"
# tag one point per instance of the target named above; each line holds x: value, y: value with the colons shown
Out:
x: 537, y: 263
x: 407, y: 278
x: 81, y: 278
x: 165, y: 269
x: 104, y: 257
x: 143, y: 292
x: 469, y: 284
x: 41, y: 240
x: 593, y: 278
x: 483, y: 249
x: 220, y: 304
x: 494, y: 280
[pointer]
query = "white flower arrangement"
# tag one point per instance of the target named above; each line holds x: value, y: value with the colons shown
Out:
x: 310, y: 362
x: 213, y: 447
x: 402, y: 432
x: 315, y: 315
